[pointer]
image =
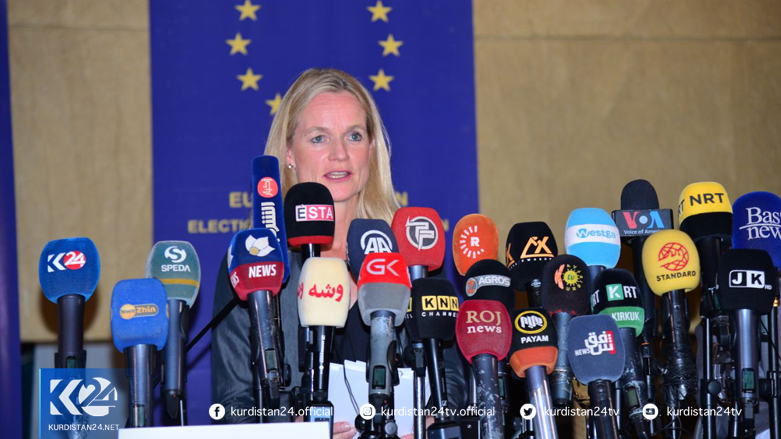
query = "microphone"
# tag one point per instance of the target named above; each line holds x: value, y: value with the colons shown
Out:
x: 533, y: 357
x: 256, y: 270
x: 564, y: 287
x: 475, y: 238
x: 618, y: 296
x: 592, y: 236
x: 383, y: 299
x: 323, y: 304
x: 68, y: 271
x: 368, y: 236
x: 267, y: 202
x: 597, y: 357
x: 176, y: 265
x: 138, y: 324
x: 421, y: 239
x: 309, y: 217
x: 746, y: 288
x: 483, y: 333
x: 529, y: 247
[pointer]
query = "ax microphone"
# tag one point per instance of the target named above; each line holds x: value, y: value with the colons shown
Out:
x: 529, y: 247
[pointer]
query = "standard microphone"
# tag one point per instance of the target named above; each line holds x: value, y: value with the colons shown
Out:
x: 533, y: 357
x: 597, y: 357
x: 138, y: 324
x: 176, y: 265
x: 475, y: 238
x: 483, y: 333
x: 421, y: 239
x: 529, y: 247
x: 309, y: 217
x: 368, y: 236
x: 256, y: 270
x: 68, y: 271
x: 564, y: 286
x: 267, y: 209
x: 592, y: 236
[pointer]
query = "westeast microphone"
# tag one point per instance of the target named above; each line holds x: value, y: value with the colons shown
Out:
x: 592, y: 236
x: 528, y: 248
x: 68, y: 271
x: 368, y: 236
x: 475, y: 238
x: 267, y: 211
x: 139, y: 323
x: 421, y: 239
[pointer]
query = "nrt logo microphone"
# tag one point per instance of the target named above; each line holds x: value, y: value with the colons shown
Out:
x: 76, y: 396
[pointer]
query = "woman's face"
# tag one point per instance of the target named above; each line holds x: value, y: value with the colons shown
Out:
x: 331, y: 145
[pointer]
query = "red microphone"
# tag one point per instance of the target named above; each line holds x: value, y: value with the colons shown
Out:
x: 421, y: 239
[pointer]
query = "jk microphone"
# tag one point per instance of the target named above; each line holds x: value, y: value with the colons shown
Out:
x: 176, y: 265
x: 529, y: 247
x: 475, y: 238
x: 592, y: 236
x: 138, y: 324
x: 309, y: 217
x: 256, y: 270
x: 367, y: 236
x: 484, y: 334
x: 267, y: 209
x: 533, y: 355
x: 421, y: 239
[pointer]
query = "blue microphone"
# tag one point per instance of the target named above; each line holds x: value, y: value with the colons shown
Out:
x: 68, y: 271
x: 592, y: 236
x: 267, y: 210
x: 757, y: 223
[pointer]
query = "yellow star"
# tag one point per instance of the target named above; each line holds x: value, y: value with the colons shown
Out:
x: 390, y: 46
x: 379, y: 12
x: 381, y: 81
x: 274, y: 103
x: 238, y: 45
x: 247, y: 10
x: 249, y: 80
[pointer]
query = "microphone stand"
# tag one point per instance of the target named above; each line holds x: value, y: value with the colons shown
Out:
x: 264, y: 354
x: 174, y: 376
x: 773, y: 372
x: 709, y: 250
x: 70, y: 343
x: 601, y: 396
x: 380, y: 376
x: 539, y: 395
x: 320, y: 409
x: 308, y: 251
x: 138, y: 361
x: 419, y: 368
x: 443, y: 427
x: 483, y: 366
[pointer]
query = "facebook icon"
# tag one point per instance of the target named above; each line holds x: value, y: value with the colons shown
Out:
x: 217, y: 411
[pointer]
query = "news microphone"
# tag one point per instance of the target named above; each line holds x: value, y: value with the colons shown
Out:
x: 367, y: 236
x: 309, y: 217
x: 483, y: 333
x: 489, y: 279
x: 597, y: 356
x: 475, y: 238
x: 138, y: 324
x: 267, y: 211
x: 529, y: 247
x: 175, y: 264
x: 533, y: 357
x: 256, y: 271
x: 592, y: 236
x: 68, y: 271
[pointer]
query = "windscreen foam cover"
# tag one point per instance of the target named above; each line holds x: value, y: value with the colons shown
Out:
x: 490, y: 280
x: 433, y: 309
x: 420, y: 236
x: 367, y: 236
x: 534, y: 341
x: 483, y: 327
x: 757, y: 223
x: 564, y: 285
x: 595, y: 349
x: 176, y: 265
x: 323, y: 292
x: 528, y: 248
x: 309, y: 214
x: 475, y: 238
x: 618, y: 296
x: 747, y: 279
x: 69, y: 266
x: 671, y: 262
x: 592, y: 236
x: 267, y: 211
x: 139, y: 313
x: 704, y: 210
x: 255, y: 262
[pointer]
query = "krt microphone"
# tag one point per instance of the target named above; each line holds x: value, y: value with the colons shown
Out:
x: 757, y: 225
x: 533, y: 357
x: 597, y: 357
x: 256, y: 270
x: 475, y: 238
x: 368, y: 236
x: 176, y: 265
x: 484, y: 334
x: 309, y: 217
x: 421, y: 239
x: 564, y: 283
x: 529, y: 247
x: 747, y: 286
x: 592, y: 236
x: 139, y: 323
x: 267, y: 201
x: 68, y: 272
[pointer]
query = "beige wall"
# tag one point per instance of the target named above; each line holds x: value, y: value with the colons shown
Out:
x: 574, y: 99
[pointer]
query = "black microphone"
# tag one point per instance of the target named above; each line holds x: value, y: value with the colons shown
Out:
x: 529, y: 247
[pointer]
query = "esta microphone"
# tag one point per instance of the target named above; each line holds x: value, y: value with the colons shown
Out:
x: 175, y: 264
x: 533, y: 357
x: 68, y: 271
x: 309, y: 217
x: 475, y: 238
x: 138, y: 324
x: 528, y: 248
x: 757, y: 223
x: 592, y: 236
x: 421, y: 239
x: 483, y: 333
x: 267, y: 209
x: 368, y: 236
x: 256, y: 270
x: 564, y: 294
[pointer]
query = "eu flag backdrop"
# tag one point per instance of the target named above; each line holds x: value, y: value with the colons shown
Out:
x: 219, y: 69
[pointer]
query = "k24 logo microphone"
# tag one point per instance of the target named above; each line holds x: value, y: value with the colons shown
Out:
x: 72, y: 260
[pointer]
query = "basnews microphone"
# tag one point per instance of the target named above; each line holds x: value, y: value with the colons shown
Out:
x: 529, y: 247
x: 139, y: 323
x: 475, y: 238
x: 175, y: 264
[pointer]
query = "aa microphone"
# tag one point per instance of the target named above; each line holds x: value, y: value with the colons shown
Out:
x: 529, y: 247
x: 483, y: 333
x: 475, y: 238
x: 592, y: 236
x: 597, y: 357
x: 267, y: 209
x: 176, y: 265
x: 138, y: 324
x: 309, y: 217
x: 68, y: 272
x: 533, y: 357
x: 256, y: 270
x: 564, y: 294
x: 757, y: 223
x: 368, y: 236
x: 421, y: 239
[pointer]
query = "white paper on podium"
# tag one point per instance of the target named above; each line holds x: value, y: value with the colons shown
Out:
x: 356, y: 375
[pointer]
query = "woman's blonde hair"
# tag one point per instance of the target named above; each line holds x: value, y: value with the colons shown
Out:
x: 378, y: 199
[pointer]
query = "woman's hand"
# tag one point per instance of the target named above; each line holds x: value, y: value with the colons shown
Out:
x: 342, y: 430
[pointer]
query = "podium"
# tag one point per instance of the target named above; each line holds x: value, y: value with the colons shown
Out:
x: 315, y: 430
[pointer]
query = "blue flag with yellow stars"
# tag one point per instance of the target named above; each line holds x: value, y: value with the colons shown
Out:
x: 219, y: 71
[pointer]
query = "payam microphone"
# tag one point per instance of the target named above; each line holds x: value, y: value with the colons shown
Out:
x: 529, y: 247
x: 176, y: 265
x: 367, y: 236
x: 139, y: 326
x: 475, y: 238
x: 267, y: 211
x: 421, y: 239
x: 309, y: 217
x: 68, y: 271
x: 256, y: 269
x: 592, y: 236
x: 565, y: 281
x: 597, y: 357
x: 484, y: 334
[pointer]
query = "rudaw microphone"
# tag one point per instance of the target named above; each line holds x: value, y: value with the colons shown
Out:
x: 256, y: 270
x: 176, y: 265
x: 592, y: 236
x: 618, y: 296
x: 383, y: 299
x: 68, y: 272
x: 309, y: 217
x: 564, y: 283
x: 368, y: 236
x: 747, y: 285
x: 529, y: 247
x: 483, y: 333
x: 475, y: 238
x: 421, y: 239
x: 597, y: 357
x: 139, y: 323
x: 533, y: 356
x: 267, y: 211
x: 323, y: 303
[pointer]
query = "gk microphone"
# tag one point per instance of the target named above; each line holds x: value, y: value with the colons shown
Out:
x: 368, y: 236
x: 309, y: 215
x: 421, y: 238
x: 529, y: 247
x: 68, y: 272
x: 475, y: 238
x: 267, y: 201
